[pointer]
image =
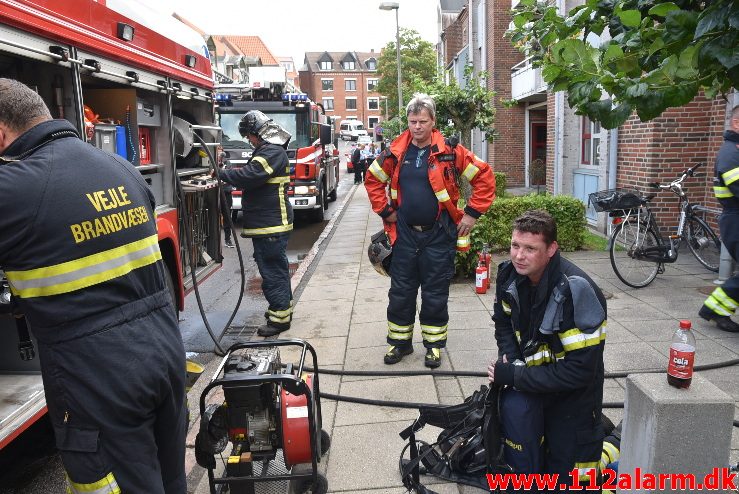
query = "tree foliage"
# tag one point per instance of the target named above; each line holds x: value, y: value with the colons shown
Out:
x: 658, y: 54
x: 417, y: 68
x: 469, y: 107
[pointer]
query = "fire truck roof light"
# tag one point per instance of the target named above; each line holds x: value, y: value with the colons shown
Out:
x: 125, y: 31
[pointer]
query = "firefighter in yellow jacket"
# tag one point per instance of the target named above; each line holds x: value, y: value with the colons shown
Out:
x: 78, y: 243
x: 413, y: 186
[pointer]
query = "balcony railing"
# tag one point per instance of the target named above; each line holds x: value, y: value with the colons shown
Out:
x: 527, y: 83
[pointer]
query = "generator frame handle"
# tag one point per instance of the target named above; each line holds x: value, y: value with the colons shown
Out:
x: 293, y: 384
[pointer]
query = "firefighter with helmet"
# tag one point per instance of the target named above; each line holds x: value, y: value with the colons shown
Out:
x: 79, y: 246
x: 413, y: 186
x: 268, y: 215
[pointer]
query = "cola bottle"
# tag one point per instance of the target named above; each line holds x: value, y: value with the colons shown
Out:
x: 682, y: 356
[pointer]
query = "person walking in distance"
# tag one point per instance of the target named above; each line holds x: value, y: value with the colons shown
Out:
x: 550, y: 329
x: 413, y: 186
x: 358, y: 163
x: 723, y: 302
x: 111, y: 353
x: 268, y: 215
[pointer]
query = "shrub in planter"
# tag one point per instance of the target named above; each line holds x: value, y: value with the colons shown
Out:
x: 495, y: 226
x: 500, y: 184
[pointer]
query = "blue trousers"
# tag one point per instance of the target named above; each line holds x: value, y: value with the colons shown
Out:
x: 269, y: 254
x: 425, y: 260
x: 725, y: 299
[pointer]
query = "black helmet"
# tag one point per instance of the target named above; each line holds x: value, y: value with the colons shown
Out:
x: 380, y: 253
x: 252, y: 122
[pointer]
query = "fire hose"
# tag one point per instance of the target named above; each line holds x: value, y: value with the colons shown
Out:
x: 411, y: 405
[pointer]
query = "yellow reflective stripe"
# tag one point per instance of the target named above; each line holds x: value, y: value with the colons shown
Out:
x: 463, y: 241
x: 280, y: 313
x: 397, y: 332
x: 396, y: 327
x: 283, y: 208
x: 518, y: 335
x: 584, y: 468
x: 470, y: 171
x: 716, y: 306
x: 264, y: 164
x: 106, y: 485
x: 267, y: 230
x: 574, y: 339
x: 278, y: 180
x: 393, y: 335
x: 376, y: 170
x: 506, y: 309
x: 442, y: 195
x: 722, y: 192
x: 731, y: 176
x: 86, y: 271
x: 728, y: 302
x: 393, y: 193
x: 542, y: 356
x: 433, y: 334
x: 609, y: 455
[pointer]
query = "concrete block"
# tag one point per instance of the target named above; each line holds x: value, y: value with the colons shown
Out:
x: 669, y: 430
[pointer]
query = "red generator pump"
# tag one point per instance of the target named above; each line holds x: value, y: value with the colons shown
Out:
x: 270, y: 414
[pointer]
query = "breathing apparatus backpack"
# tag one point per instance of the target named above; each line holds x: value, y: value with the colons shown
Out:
x: 472, y: 443
x: 468, y: 447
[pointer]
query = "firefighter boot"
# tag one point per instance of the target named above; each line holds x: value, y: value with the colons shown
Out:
x: 723, y: 323
x: 396, y: 353
x: 433, y: 358
x: 273, y: 328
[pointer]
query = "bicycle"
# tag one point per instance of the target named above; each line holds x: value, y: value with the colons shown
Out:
x: 637, y: 250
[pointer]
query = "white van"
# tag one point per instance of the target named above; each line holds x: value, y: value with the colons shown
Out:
x: 350, y: 130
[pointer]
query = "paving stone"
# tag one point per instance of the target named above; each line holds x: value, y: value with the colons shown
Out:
x: 367, y: 334
x: 632, y: 356
x: 706, y: 352
x: 419, y: 389
x: 655, y: 329
x: 329, y: 351
x: 464, y: 339
x: 617, y: 333
x: 370, y: 359
x: 466, y: 303
x: 325, y: 273
x: 472, y: 360
x: 334, y: 291
x: 370, y: 312
x: 469, y: 319
x: 636, y: 313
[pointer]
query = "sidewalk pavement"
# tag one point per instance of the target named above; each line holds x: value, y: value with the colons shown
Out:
x: 341, y: 311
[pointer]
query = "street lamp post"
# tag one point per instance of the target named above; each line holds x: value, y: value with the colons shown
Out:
x: 395, y: 6
x: 385, y: 98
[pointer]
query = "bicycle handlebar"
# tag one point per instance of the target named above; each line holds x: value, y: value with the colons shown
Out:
x: 687, y: 173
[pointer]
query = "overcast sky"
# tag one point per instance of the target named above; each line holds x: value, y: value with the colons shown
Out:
x: 292, y: 27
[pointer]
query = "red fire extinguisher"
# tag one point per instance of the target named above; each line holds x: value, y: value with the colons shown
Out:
x: 481, y: 275
x: 488, y: 260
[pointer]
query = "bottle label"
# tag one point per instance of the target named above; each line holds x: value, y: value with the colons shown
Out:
x: 681, y: 363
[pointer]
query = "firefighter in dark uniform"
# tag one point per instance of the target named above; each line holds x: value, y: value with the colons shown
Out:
x: 724, y: 300
x: 268, y: 215
x: 550, y: 329
x: 421, y: 217
x: 78, y: 244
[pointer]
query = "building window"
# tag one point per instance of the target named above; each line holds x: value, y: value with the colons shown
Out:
x: 326, y: 65
x: 372, y: 84
x: 373, y: 103
x: 373, y: 121
x: 351, y: 103
x: 590, y: 142
x: 350, y: 84
x: 371, y: 64
x: 328, y: 104
x: 348, y: 65
x: 327, y: 84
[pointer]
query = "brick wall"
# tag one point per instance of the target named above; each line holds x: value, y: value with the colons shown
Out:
x: 660, y: 150
x: 310, y: 82
x: 454, y: 36
x: 506, y: 152
x: 550, y: 141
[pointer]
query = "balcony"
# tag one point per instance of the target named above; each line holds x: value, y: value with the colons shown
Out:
x: 527, y: 83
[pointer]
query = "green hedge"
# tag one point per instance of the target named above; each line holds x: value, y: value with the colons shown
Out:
x: 500, y: 184
x: 495, y: 226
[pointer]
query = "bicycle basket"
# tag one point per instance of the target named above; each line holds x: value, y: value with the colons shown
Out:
x: 615, y: 199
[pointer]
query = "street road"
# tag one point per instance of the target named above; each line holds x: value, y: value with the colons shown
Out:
x: 31, y: 465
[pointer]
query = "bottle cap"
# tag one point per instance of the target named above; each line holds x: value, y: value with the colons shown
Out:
x: 684, y: 324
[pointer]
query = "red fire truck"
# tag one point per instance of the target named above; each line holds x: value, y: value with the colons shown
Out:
x: 135, y: 83
x: 314, y: 163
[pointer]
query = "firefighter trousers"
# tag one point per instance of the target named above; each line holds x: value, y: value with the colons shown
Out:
x: 116, y: 399
x: 271, y: 259
x: 422, y: 259
x: 725, y: 299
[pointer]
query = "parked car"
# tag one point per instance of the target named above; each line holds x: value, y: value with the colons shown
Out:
x: 350, y: 130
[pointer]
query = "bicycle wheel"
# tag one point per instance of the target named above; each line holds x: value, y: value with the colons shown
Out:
x: 627, y: 238
x: 703, y: 243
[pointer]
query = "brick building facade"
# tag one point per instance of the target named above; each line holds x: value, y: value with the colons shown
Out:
x: 344, y: 83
